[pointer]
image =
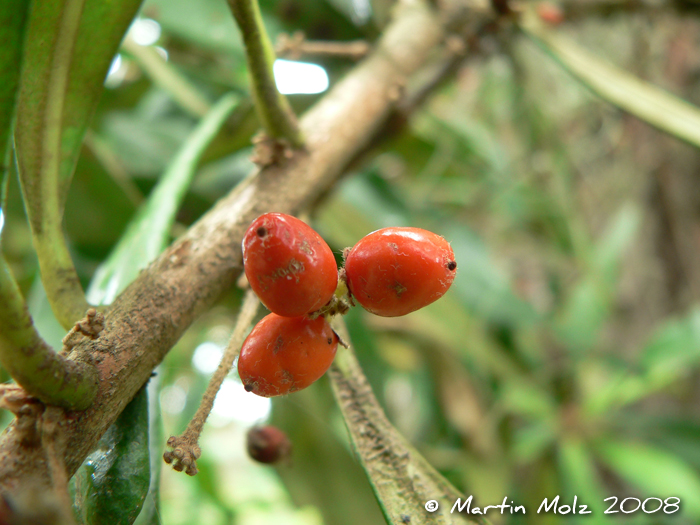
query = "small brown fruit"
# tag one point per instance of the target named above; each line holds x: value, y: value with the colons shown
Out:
x: 268, y: 444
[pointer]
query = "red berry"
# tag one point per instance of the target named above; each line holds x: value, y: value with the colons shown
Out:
x: 268, y: 444
x: 550, y: 13
x: 289, y: 266
x: 396, y: 271
x: 285, y: 354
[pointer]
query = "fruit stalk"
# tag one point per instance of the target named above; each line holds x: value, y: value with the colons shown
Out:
x: 185, y: 446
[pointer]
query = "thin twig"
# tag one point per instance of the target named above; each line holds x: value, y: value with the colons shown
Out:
x: 296, y: 46
x: 276, y: 115
x: 185, y: 447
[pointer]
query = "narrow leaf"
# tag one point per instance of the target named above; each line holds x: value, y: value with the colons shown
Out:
x: 114, y: 479
x: 69, y: 48
x: 402, y: 480
x: 647, y: 102
x: 146, y: 236
x: 12, y: 25
x: 655, y: 472
x: 581, y: 479
x: 148, y: 232
x: 149, y: 512
x: 674, y: 349
x: 588, y: 307
x: 671, y: 354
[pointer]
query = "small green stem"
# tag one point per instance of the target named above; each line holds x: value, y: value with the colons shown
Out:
x: 46, y: 375
x: 42, y: 188
x: 274, y: 110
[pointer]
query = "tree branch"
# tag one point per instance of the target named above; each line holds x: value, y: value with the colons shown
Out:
x: 274, y: 110
x: 147, y: 319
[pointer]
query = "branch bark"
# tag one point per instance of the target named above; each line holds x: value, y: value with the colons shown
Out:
x: 148, y: 318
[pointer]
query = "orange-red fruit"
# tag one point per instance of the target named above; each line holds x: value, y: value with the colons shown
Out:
x: 550, y: 13
x: 395, y: 271
x: 289, y: 266
x: 268, y: 444
x: 285, y: 354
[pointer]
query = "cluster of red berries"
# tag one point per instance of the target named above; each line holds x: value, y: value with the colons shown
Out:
x: 390, y: 272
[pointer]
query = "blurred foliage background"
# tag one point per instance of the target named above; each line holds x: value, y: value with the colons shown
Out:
x: 564, y: 360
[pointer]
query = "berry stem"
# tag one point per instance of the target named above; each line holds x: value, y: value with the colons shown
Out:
x: 185, y: 446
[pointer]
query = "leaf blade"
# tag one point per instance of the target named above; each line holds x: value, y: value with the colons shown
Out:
x: 113, y: 482
x: 654, y: 471
x: 647, y: 102
x: 147, y: 234
x: 402, y: 480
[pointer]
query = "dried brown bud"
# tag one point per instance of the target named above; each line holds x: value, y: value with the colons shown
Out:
x: 268, y: 444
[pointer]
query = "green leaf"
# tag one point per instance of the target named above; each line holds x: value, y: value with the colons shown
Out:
x: 481, y: 285
x: 647, y: 102
x: 619, y: 234
x: 588, y: 307
x: 113, y: 482
x: 402, y: 480
x: 654, y: 472
x: 13, y: 16
x: 69, y: 48
x: 205, y: 23
x: 146, y: 236
x: 674, y: 349
x: 671, y: 354
x: 677, y: 435
x: 581, y: 479
x: 151, y: 504
x: 148, y: 233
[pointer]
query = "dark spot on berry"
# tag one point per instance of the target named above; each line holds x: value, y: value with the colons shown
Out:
x: 452, y: 265
x: 261, y: 231
x: 248, y: 387
x: 330, y: 340
x: 399, y: 289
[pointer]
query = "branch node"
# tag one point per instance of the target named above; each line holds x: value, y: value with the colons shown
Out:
x: 268, y: 151
x: 89, y: 326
